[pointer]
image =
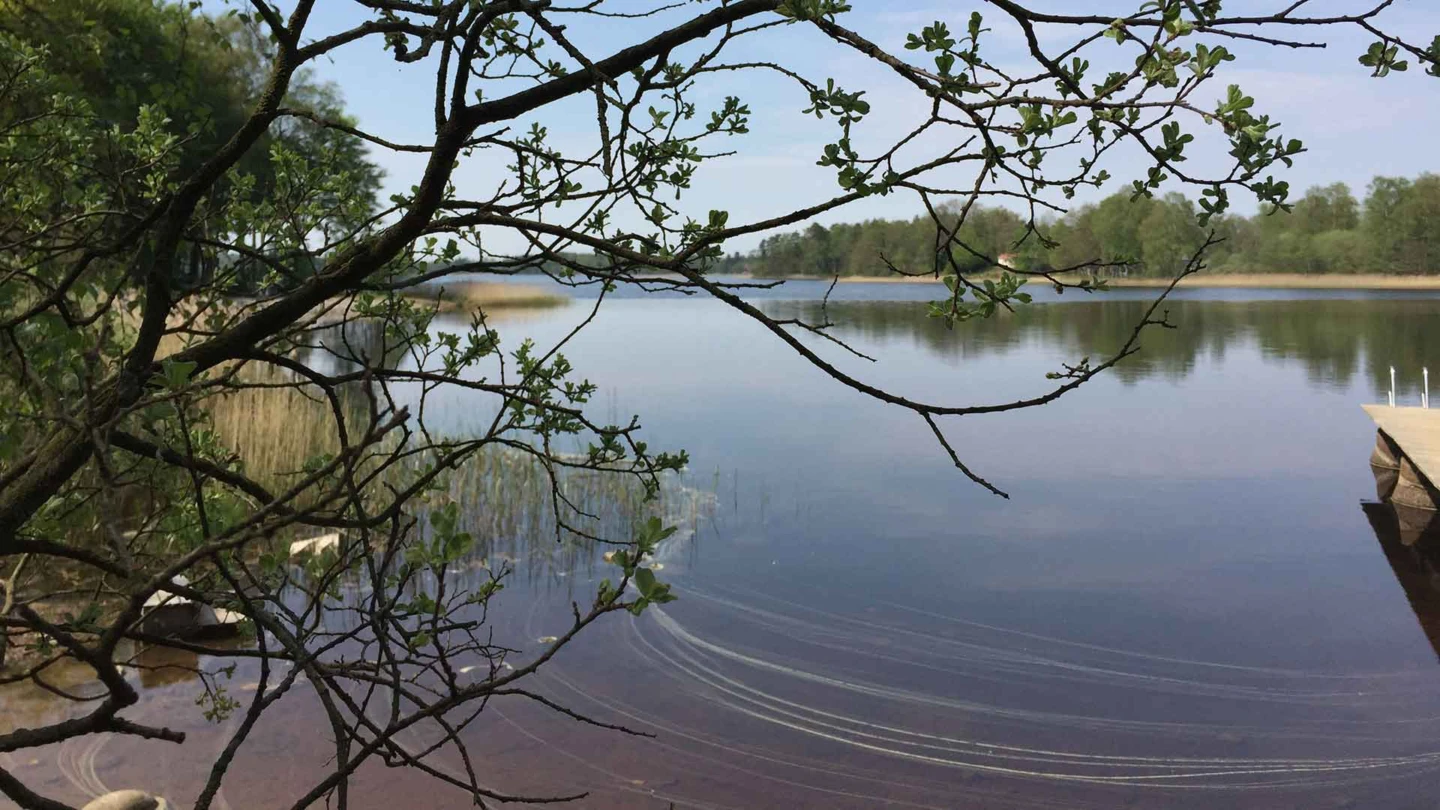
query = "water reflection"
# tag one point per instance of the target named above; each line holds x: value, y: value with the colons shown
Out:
x: 165, y: 666
x: 1333, y: 339
x: 1414, y: 556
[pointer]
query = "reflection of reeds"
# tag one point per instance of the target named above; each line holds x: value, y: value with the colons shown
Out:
x: 507, y: 506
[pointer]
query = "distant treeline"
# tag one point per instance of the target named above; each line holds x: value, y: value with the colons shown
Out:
x: 1396, y: 229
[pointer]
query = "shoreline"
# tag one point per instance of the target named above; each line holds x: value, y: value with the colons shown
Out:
x: 1290, y: 281
x: 467, y: 296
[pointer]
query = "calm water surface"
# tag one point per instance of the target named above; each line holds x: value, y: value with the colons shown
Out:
x: 1183, y: 604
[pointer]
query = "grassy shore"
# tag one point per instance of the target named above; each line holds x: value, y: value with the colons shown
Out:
x: 1296, y: 281
x: 465, y: 296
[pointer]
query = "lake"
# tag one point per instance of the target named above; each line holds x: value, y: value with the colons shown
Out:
x: 1184, y: 604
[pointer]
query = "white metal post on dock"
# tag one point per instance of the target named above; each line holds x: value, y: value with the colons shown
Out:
x: 1392, y: 386
x: 1425, y: 394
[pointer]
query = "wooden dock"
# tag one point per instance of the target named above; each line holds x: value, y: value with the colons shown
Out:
x: 1416, y: 431
x: 1406, y: 460
x: 1406, y: 463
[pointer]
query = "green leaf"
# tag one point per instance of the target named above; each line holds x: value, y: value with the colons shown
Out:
x: 176, y: 373
x: 645, y: 581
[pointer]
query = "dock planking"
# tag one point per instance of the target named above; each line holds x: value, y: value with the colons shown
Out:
x: 1417, y: 433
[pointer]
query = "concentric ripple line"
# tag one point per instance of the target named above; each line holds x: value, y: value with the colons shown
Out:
x: 971, y: 747
x: 87, y: 764
x: 1244, y: 767
x: 916, y: 697
x: 553, y: 672
x: 770, y: 757
x: 680, y: 732
x: 772, y: 619
x: 1064, y: 777
x: 980, y: 748
x: 413, y: 752
x: 78, y: 766
x: 1279, y: 671
x: 1001, y: 662
x: 1154, y: 682
x: 63, y: 764
x: 628, y: 785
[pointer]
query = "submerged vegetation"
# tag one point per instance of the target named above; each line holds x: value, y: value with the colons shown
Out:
x: 509, y: 501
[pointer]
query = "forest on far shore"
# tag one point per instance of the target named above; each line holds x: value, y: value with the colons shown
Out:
x: 1394, y: 230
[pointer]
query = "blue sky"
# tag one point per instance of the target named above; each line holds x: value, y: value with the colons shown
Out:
x: 1355, y: 126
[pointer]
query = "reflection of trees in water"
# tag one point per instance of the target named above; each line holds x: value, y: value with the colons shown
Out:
x: 1333, y: 339
x: 28, y: 705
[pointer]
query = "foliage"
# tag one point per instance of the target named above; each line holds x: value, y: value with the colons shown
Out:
x: 200, y: 76
x: 1396, y: 229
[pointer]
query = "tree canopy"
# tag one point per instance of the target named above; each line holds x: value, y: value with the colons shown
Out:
x: 196, y: 78
x: 1327, y: 230
x: 158, y: 162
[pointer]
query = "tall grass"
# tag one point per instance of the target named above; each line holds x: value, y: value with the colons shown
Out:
x: 507, y: 498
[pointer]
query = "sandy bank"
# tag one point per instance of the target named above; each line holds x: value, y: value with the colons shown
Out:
x: 470, y: 295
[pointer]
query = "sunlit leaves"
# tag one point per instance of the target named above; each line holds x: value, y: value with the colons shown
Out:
x: 934, y: 37
x: 632, y: 562
x: 848, y: 107
x: 1383, y: 57
x: 733, y: 118
x: 1175, y: 141
x: 949, y: 52
x: 804, y: 10
x: 1207, y: 59
x: 985, y: 298
x: 1036, y: 122
x: 176, y: 373
x: 1213, y: 200
x: 1071, y: 75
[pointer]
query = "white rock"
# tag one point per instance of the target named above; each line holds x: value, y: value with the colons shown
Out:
x: 315, y: 545
x: 126, y: 800
x: 164, y: 597
x: 170, y: 614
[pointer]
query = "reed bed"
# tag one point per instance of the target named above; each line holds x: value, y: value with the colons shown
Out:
x: 506, y: 496
x: 468, y: 296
